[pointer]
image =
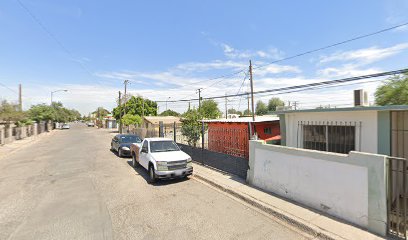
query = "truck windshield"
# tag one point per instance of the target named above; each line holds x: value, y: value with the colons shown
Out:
x: 163, y: 146
x: 130, y: 139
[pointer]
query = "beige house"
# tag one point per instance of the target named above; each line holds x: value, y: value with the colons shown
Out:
x: 154, y: 121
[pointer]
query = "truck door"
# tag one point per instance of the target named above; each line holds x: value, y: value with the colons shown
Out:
x: 144, y: 152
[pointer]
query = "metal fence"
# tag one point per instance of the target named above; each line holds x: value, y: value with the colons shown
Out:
x: 397, y: 197
x: 223, y: 149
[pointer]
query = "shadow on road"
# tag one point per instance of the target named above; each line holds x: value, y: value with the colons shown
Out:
x: 143, y: 172
x: 116, y: 154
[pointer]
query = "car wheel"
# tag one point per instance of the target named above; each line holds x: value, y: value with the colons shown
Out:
x: 152, y: 175
x: 120, y: 154
x: 135, y: 163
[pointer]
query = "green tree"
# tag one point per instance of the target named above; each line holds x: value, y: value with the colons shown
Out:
x: 209, y: 109
x: 136, y: 106
x: 191, y: 126
x: 247, y: 112
x: 261, y: 108
x: 101, y: 112
x: 170, y: 112
x: 234, y: 111
x: 129, y: 119
x: 41, y: 112
x: 56, y: 112
x: 393, y: 92
x: 273, y: 103
x: 11, y: 113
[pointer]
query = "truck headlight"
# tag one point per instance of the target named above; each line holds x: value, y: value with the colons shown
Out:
x: 161, y: 166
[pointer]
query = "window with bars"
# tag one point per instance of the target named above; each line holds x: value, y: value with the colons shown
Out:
x: 330, y: 138
x: 268, y: 130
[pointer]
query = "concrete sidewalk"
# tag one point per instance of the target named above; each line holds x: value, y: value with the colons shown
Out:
x: 7, y: 149
x: 302, y: 218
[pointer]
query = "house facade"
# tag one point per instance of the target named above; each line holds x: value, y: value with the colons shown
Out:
x: 232, y: 135
x: 376, y: 129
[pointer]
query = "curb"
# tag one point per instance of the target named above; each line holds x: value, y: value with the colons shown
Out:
x: 315, y: 231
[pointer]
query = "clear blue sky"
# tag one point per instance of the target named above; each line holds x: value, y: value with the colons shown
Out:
x: 90, y: 47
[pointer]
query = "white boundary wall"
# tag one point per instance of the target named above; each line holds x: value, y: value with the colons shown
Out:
x: 351, y: 187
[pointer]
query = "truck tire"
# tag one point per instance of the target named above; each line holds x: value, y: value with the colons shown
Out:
x: 152, y: 175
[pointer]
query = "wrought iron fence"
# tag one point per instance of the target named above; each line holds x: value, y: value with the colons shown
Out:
x: 397, y: 197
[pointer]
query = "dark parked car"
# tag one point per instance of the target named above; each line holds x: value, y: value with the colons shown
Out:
x: 121, y: 143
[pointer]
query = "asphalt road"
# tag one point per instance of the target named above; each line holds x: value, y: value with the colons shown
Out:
x: 70, y: 185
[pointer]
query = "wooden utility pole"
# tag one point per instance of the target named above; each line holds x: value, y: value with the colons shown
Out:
x: 199, y: 97
x: 252, y: 89
x: 120, y: 112
x: 248, y: 104
x: 20, y: 98
x: 125, y: 82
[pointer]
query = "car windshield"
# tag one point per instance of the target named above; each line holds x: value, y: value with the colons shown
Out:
x: 163, y: 146
x: 130, y: 139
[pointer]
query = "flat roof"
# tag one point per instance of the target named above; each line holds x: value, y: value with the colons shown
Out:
x: 269, y: 118
x: 349, y: 109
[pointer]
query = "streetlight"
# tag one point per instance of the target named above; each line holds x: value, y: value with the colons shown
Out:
x: 166, y: 102
x: 61, y: 90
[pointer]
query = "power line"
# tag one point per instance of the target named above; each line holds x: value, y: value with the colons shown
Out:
x: 310, y: 51
x: 333, y: 45
x: 325, y: 83
x: 8, y: 88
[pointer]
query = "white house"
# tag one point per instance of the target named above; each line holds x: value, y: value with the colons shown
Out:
x: 374, y: 129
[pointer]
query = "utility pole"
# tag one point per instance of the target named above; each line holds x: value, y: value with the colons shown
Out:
x: 252, y: 89
x: 120, y: 113
x: 20, y: 98
x: 248, y: 103
x: 125, y: 82
x: 199, y: 97
x: 295, y: 103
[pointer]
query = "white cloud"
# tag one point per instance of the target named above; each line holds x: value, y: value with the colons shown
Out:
x: 270, y: 53
x: 274, y: 69
x: 213, y: 65
x: 365, y: 55
x: 347, y: 70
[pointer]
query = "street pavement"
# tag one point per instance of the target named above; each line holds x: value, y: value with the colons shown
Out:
x: 69, y: 185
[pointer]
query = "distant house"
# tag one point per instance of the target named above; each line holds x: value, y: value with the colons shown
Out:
x: 375, y: 129
x: 231, y: 135
x: 154, y: 121
x: 110, y: 121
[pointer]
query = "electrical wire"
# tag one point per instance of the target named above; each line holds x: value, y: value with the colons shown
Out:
x: 8, y: 88
x: 325, y: 83
x: 334, y: 45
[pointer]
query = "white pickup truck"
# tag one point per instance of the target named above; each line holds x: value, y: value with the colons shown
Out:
x: 162, y: 158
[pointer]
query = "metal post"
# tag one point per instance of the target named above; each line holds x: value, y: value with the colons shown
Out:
x: 252, y: 91
x: 120, y: 113
x: 202, y: 135
x: 161, y: 128
x: 174, y: 132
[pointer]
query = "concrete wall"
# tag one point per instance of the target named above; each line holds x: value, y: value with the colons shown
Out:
x: 368, y: 119
x: 351, y: 187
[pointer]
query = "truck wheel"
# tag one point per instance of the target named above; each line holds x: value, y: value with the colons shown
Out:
x: 152, y: 175
x: 135, y: 163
